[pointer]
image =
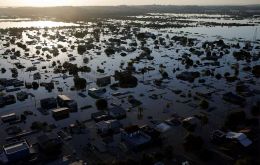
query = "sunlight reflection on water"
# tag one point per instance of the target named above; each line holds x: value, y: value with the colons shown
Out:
x: 35, y: 24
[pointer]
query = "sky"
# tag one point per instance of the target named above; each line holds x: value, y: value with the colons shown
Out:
x: 40, y: 3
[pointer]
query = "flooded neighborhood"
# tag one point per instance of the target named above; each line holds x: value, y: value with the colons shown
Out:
x: 154, y: 87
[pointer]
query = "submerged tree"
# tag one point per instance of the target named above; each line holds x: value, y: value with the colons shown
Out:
x: 80, y: 83
x: 101, y: 104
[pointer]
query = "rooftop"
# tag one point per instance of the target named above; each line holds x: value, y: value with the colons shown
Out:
x: 60, y: 109
x: 64, y: 97
x: 139, y: 139
x: 16, y: 147
x: 8, y: 115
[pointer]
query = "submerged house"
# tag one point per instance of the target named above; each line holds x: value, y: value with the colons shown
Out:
x: 109, y: 126
x: 48, y: 103
x: 239, y: 137
x: 16, y: 151
x: 96, y: 93
x: 9, y: 117
x: 7, y: 100
x: 117, y: 112
x: 60, y: 113
x: 65, y: 101
x: 11, y: 82
x: 162, y: 127
x: 100, y: 116
x: 104, y: 81
x: 152, y: 132
x: 134, y: 137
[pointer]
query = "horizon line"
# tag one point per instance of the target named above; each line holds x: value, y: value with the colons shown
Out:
x: 126, y: 5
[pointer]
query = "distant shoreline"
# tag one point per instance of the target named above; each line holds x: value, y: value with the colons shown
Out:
x: 231, y: 5
x: 85, y: 12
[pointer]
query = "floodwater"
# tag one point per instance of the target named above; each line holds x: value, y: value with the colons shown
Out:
x: 4, y: 24
x: 228, y: 33
x: 182, y: 105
